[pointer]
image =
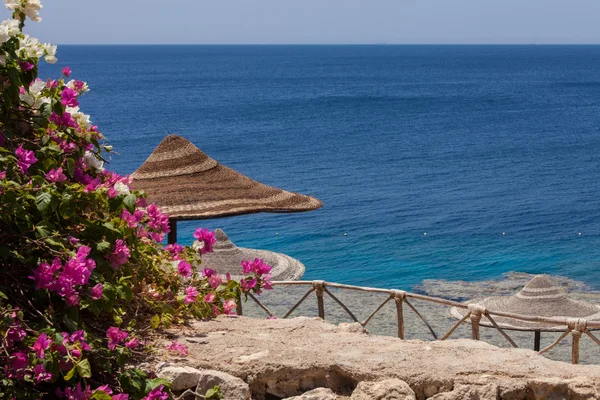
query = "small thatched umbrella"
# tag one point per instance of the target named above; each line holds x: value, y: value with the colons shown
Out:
x: 540, y: 297
x: 187, y: 184
x: 226, y: 257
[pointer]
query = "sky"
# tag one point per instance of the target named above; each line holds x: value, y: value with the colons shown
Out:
x: 317, y: 21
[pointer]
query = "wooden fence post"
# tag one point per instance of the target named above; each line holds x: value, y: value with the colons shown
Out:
x: 318, y: 286
x: 477, y: 312
x: 399, y: 296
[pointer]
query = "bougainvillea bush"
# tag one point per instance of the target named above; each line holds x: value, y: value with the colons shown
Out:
x: 84, y: 273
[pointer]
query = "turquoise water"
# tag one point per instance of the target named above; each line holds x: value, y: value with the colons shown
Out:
x: 460, y: 142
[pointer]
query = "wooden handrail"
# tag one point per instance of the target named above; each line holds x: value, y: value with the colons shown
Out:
x: 574, y: 327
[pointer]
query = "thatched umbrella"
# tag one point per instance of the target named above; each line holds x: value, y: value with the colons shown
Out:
x: 540, y: 297
x: 187, y: 184
x: 226, y: 257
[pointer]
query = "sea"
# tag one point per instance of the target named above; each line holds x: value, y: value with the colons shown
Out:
x: 432, y: 162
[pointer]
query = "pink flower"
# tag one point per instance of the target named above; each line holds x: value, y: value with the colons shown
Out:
x: 120, y: 254
x: 177, y: 348
x: 132, y: 344
x: 18, y: 362
x: 96, y: 291
x: 247, y: 284
x: 209, y: 298
x: 157, y: 394
x: 68, y: 97
x: 215, y: 281
x: 64, y: 120
x: 66, y: 71
x: 120, y: 396
x: 271, y: 317
x: 26, y: 65
x: 191, y: 295
x: 41, y: 345
x: 229, y: 306
x: 158, y: 221
x: 257, y: 266
x: 25, y: 158
x: 56, y: 175
x: 207, y: 272
x: 207, y: 238
x: 15, y: 334
x: 115, y: 336
x: 141, y: 202
x: 175, y: 249
x: 2, y: 174
x: 132, y: 219
x: 44, y: 274
x: 41, y: 375
x: 185, y: 269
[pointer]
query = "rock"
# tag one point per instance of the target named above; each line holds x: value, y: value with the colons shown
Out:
x: 232, y: 388
x: 549, y: 388
x: 464, y: 392
x: 316, y: 394
x: 354, y: 327
x: 389, y: 389
x: 514, y: 390
x: 181, y: 378
x: 287, y: 357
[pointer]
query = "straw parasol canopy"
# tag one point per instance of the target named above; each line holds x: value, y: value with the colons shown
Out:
x: 540, y: 297
x: 187, y: 184
x: 226, y: 258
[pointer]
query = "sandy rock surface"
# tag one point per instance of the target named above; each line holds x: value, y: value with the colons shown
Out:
x: 285, y: 358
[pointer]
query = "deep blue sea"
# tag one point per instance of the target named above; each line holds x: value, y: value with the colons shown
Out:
x: 462, y: 143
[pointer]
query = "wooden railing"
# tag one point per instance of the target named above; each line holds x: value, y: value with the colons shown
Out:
x: 475, y: 312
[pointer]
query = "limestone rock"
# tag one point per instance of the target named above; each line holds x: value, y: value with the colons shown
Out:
x: 464, y: 392
x: 549, y: 388
x: 181, y: 377
x: 232, y: 388
x: 316, y: 394
x: 389, y: 389
x: 354, y: 327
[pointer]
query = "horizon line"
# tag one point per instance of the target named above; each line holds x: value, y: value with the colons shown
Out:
x: 329, y: 44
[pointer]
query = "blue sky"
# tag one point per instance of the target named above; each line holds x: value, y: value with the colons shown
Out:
x: 318, y: 21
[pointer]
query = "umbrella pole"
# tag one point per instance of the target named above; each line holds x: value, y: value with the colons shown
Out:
x: 536, y: 340
x: 172, y: 238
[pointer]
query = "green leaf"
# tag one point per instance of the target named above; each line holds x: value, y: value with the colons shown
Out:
x: 213, y: 394
x: 155, y: 322
x: 125, y: 292
x: 101, y: 395
x: 71, y: 166
x: 84, y: 369
x: 70, y: 374
x: 42, y: 201
x: 103, y: 246
x: 129, y: 201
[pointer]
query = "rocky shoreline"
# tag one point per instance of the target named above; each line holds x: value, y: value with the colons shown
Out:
x: 362, y: 304
x: 281, y: 359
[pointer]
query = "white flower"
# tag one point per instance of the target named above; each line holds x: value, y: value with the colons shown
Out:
x: 50, y: 51
x: 31, y: 10
x: 122, y: 188
x: 33, y: 96
x: 93, y: 162
x: 84, y: 89
x: 8, y: 29
x: 12, y: 4
x: 30, y: 47
x: 81, y: 118
x: 198, y: 246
